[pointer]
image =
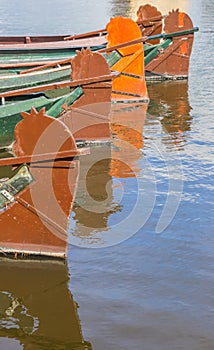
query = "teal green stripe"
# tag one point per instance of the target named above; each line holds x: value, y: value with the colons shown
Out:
x: 154, y: 52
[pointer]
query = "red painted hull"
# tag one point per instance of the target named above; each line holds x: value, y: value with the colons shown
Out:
x: 52, y: 194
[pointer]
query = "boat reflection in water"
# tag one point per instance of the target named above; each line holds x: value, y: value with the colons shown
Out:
x: 94, y: 197
x: 127, y: 122
x: 169, y: 104
x: 106, y: 176
x: 37, y: 310
x: 113, y: 178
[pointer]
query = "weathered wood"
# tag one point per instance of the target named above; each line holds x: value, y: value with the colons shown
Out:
x: 57, y: 45
x: 60, y: 85
x: 41, y: 223
x: 47, y: 65
x: 150, y: 21
x: 44, y: 157
x: 35, y: 78
x: 98, y: 32
x: 172, y: 48
x: 125, y: 34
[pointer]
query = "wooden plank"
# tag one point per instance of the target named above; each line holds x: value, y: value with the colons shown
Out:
x: 155, y: 51
x: 121, y: 66
x: 56, y: 45
x: 98, y: 32
x: 32, y: 73
x: 148, y: 21
x: 48, y: 65
x: 61, y: 85
x: 163, y: 56
x: 38, y: 158
x: 152, y: 37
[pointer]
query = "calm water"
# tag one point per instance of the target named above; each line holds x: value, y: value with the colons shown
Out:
x: 140, y: 263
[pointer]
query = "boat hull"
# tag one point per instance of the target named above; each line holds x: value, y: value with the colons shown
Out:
x: 35, y: 222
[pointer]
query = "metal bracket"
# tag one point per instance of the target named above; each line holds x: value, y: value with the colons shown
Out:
x: 7, y: 195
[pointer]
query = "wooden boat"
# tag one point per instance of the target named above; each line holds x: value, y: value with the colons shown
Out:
x: 37, y: 187
x: 82, y: 102
x: 37, y: 309
x: 164, y: 59
x: 167, y: 39
x: 34, y: 213
x: 122, y: 56
x: 170, y: 58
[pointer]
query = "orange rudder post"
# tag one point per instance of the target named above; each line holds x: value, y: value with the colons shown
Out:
x: 130, y: 85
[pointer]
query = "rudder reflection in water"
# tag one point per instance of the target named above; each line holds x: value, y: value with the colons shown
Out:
x: 127, y: 123
x: 106, y: 176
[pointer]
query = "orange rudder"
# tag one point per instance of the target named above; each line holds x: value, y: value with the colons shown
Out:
x: 131, y: 83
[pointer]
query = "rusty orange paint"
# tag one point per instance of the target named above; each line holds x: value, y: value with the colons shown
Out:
x: 39, y: 122
x: 181, y: 16
x: 184, y: 48
x: 35, y: 222
x: 150, y: 21
x: 121, y: 30
x: 128, y: 84
x: 174, y: 60
x: 131, y: 65
x: 89, y: 117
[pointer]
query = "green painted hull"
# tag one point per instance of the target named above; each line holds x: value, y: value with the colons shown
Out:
x: 17, y: 81
x: 12, y: 80
x: 10, y: 113
x: 27, y: 57
x: 151, y: 51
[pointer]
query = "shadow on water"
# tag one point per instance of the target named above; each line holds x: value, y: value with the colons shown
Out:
x: 37, y: 310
